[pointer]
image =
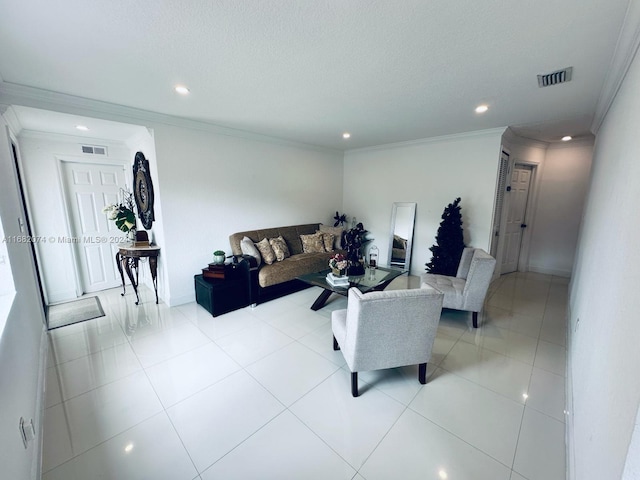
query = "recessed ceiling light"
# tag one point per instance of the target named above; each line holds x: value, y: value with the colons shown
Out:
x: 346, y: 135
x: 482, y: 108
x: 83, y: 128
x: 182, y: 90
x: 566, y: 138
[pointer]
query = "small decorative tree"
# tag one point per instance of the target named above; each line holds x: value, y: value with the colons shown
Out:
x: 449, y: 242
x: 354, y: 239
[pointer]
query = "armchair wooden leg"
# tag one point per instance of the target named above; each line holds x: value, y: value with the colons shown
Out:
x: 335, y: 344
x: 475, y: 319
x: 422, y: 373
x: 354, y: 384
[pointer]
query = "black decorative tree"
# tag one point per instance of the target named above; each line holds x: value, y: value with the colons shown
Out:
x: 354, y: 239
x: 449, y: 242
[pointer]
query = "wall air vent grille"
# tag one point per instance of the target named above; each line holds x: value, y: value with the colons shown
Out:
x: 94, y: 149
x: 554, y: 78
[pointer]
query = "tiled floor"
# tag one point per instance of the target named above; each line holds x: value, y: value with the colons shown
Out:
x: 151, y: 392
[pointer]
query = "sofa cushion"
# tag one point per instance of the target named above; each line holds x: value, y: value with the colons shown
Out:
x: 328, y: 239
x: 312, y: 243
x: 291, y: 235
x: 337, y: 232
x: 249, y: 248
x: 266, y: 251
x: 292, y: 267
x: 280, y: 248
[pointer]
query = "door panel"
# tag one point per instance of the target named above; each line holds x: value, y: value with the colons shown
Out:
x: 516, y: 214
x: 89, y: 188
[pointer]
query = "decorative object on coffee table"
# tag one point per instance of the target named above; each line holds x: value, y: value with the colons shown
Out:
x: 374, y: 254
x: 219, y: 257
x: 338, y: 264
x: 355, y: 238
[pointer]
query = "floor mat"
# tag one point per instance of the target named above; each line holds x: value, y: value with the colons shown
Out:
x: 74, y: 312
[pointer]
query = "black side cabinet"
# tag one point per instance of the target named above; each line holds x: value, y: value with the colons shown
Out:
x: 220, y: 296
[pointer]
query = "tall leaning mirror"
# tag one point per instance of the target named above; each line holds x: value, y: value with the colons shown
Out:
x: 403, y: 215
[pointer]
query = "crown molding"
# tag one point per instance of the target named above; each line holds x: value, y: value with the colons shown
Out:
x: 513, y: 138
x: 11, y: 118
x: 15, y: 94
x: 424, y: 141
x: 37, y: 135
x: 588, y: 141
x: 625, y: 52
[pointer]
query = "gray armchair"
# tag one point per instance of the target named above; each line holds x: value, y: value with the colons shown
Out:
x: 467, y: 290
x: 387, y: 329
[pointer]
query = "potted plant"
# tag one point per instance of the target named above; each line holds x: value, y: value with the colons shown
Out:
x: 219, y: 257
x: 122, y: 214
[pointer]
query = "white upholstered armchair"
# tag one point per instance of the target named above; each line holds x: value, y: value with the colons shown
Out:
x: 467, y: 290
x: 387, y: 329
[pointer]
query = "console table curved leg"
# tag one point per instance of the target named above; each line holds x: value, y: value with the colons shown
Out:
x: 119, y: 260
x: 128, y: 263
x: 153, y: 266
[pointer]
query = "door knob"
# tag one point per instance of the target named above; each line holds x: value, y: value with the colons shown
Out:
x: 523, y: 225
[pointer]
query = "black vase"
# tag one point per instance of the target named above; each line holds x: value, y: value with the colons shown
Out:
x: 355, y: 268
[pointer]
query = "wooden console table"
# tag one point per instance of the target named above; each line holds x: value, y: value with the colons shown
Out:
x: 127, y: 258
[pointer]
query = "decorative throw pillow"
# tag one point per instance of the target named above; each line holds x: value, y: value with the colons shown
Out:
x: 248, y: 248
x: 337, y: 232
x: 312, y: 243
x: 279, y: 246
x: 266, y: 251
x: 328, y: 239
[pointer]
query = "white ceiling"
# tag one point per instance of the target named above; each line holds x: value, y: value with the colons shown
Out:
x: 384, y: 70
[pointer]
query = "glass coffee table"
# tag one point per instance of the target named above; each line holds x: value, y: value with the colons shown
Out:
x: 374, y: 279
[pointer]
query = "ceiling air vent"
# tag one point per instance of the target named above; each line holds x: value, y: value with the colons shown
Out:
x: 561, y: 76
x: 94, y: 149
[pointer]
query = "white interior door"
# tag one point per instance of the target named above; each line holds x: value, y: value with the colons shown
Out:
x: 517, y: 210
x: 89, y: 188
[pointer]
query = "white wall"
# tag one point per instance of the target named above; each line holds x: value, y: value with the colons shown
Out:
x: 23, y: 341
x: 40, y: 162
x: 432, y: 173
x: 214, y: 185
x: 563, y: 187
x: 604, y: 300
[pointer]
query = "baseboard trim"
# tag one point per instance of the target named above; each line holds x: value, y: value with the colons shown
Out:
x: 549, y: 271
x: 61, y: 297
x: 36, y: 467
x: 180, y: 299
x: 568, y: 424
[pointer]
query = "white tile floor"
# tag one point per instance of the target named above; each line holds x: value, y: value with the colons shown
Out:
x: 172, y: 393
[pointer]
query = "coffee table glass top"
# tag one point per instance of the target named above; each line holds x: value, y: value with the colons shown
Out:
x: 372, y: 279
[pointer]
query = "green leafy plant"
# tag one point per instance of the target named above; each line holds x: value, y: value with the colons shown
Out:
x: 218, y: 253
x: 122, y: 213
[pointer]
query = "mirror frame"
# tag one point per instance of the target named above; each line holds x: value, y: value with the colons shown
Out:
x: 412, y: 220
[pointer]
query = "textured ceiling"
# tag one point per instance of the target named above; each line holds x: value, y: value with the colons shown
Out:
x: 386, y: 71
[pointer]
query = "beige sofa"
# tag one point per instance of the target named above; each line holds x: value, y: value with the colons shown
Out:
x: 279, y: 278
